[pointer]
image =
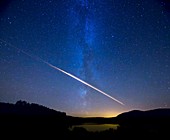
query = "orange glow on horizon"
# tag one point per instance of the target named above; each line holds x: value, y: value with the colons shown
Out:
x: 97, y: 114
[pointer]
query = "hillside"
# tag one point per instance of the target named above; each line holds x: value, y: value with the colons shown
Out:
x: 24, y: 108
x: 150, y: 116
x: 36, y: 120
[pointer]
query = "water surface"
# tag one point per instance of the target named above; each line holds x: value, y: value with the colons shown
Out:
x: 96, y: 127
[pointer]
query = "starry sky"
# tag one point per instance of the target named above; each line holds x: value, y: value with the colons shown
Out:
x: 121, y: 47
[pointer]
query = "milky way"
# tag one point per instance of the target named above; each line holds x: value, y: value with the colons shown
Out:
x: 121, y: 47
x: 63, y: 71
x: 82, y: 25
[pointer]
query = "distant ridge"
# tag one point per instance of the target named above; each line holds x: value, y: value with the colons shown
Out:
x: 161, y: 112
x: 25, y: 108
x: 157, y: 116
x: 33, y: 120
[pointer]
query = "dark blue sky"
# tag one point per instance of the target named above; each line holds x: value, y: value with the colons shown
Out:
x: 120, y: 46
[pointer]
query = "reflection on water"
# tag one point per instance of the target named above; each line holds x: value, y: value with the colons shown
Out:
x: 96, y: 127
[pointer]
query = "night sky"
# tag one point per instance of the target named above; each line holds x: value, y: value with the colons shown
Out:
x: 121, y: 47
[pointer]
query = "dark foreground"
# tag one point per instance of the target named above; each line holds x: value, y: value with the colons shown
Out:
x: 24, y: 120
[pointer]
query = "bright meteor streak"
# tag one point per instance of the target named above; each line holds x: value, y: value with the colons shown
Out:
x: 52, y: 66
x: 83, y: 82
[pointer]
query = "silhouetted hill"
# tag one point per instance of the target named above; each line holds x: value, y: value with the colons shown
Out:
x: 37, y: 121
x: 162, y: 112
x: 31, y: 120
x: 150, y: 116
x: 27, y: 109
x: 151, y: 124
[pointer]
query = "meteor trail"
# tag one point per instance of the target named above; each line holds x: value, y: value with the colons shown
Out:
x: 56, y: 68
x: 78, y: 79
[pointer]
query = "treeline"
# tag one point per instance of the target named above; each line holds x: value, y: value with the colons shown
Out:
x: 36, y: 121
